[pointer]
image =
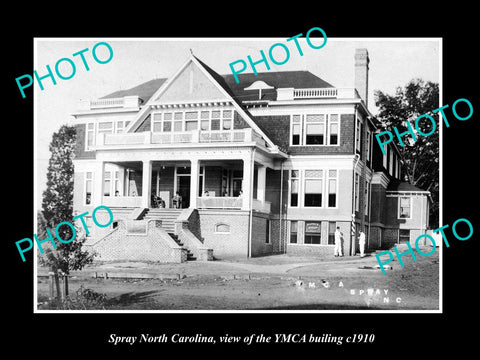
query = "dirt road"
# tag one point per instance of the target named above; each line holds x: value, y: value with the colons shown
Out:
x: 277, y: 283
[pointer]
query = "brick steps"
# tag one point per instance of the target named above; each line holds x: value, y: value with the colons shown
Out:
x: 167, y: 216
x: 190, y: 256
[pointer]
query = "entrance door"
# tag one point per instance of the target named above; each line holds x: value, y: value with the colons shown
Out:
x: 183, y: 187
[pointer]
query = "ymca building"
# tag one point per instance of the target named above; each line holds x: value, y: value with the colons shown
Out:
x: 198, y: 166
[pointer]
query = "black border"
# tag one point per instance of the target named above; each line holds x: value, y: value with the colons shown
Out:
x: 88, y: 333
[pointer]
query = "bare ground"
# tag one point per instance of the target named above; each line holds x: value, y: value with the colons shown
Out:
x: 279, y: 282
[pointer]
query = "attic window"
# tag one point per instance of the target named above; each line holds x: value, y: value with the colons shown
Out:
x: 259, y: 85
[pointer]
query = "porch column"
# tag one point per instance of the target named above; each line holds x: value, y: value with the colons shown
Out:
x: 193, y: 183
x: 247, y: 182
x: 146, y: 183
x: 261, y: 180
x: 98, y: 175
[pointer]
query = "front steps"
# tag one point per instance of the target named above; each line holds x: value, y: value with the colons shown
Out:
x: 167, y: 216
x: 169, y: 226
x: 190, y: 256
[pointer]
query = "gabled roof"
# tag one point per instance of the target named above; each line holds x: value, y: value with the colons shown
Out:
x: 144, y: 91
x: 280, y: 79
x: 223, y: 83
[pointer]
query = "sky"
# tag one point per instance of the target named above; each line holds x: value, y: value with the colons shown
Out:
x: 393, y: 63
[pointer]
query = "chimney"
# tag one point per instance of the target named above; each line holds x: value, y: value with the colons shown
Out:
x: 361, y: 73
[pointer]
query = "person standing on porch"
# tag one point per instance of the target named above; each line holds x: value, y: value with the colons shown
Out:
x: 338, y: 243
x: 361, y: 242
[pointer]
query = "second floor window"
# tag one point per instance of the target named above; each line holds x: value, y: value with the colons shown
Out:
x: 315, y: 129
x: 205, y: 120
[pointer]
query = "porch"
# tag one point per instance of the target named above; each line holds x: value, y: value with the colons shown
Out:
x: 202, y: 184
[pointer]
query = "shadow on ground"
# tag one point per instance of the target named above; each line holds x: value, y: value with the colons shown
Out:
x: 132, y: 298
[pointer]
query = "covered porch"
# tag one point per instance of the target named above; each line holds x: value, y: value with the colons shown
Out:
x: 194, y: 183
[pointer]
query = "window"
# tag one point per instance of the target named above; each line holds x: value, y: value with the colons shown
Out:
x: 333, y: 132
x: 358, y: 137
x: 90, y: 133
x: 107, y: 182
x: 314, y: 129
x: 404, y: 235
x: 120, y: 127
x: 294, y: 187
x: 404, y: 207
x: 157, y: 122
x: 331, y: 232
x: 367, y: 145
x: 227, y: 119
x: 312, y: 232
x: 313, y: 188
x: 293, y: 232
x: 105, y: 127
x: 191, y: 120
x: 215, y: 122
x: 88, y: 187
x: 117, y: 182
x: 296, y: 129
x: 357, y: 189
x: 332, y: 188
x: 267, y: 232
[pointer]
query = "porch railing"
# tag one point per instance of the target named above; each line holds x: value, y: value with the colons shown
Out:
x: 219, y: 202
x: 189, y: 137
x: 122, y: 201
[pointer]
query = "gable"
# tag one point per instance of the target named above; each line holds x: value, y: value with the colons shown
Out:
x: 190, y: 85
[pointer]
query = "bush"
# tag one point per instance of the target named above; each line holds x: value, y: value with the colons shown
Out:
x: 85, y: 299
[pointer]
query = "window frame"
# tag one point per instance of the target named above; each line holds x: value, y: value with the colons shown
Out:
x: 322, y: 179
x: 299, y: 181
x: 326, y: 122
x: 290, y: 232
x: 403, y: 236
x: 323, y: 122
x: 328, y: 188
x: 319, y: 233
x: 94, y: 135
x: 86, y: 180
x: 357, y: 191
x: 409, y: 208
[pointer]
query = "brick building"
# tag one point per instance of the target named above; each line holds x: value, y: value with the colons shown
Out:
x: 271, y: 164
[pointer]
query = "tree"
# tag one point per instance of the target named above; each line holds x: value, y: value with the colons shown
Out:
x: 57, y: 207
x: 420, y: 157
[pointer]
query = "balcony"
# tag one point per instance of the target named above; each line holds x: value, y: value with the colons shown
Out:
x: 109, y: 141
x: 126, y: 102
x: 317, y: 93
x: 226, y: 202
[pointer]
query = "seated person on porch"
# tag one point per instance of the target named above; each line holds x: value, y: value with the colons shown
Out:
x: 206, y: 193
x: 240, y: 193
x: 160, y: 202
x: 177, y: 201
x: 117, y: 193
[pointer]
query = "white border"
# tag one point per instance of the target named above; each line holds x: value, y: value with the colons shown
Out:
x: 35, y: 168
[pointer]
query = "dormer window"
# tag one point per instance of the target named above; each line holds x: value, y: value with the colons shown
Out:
x: 259, y: 86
